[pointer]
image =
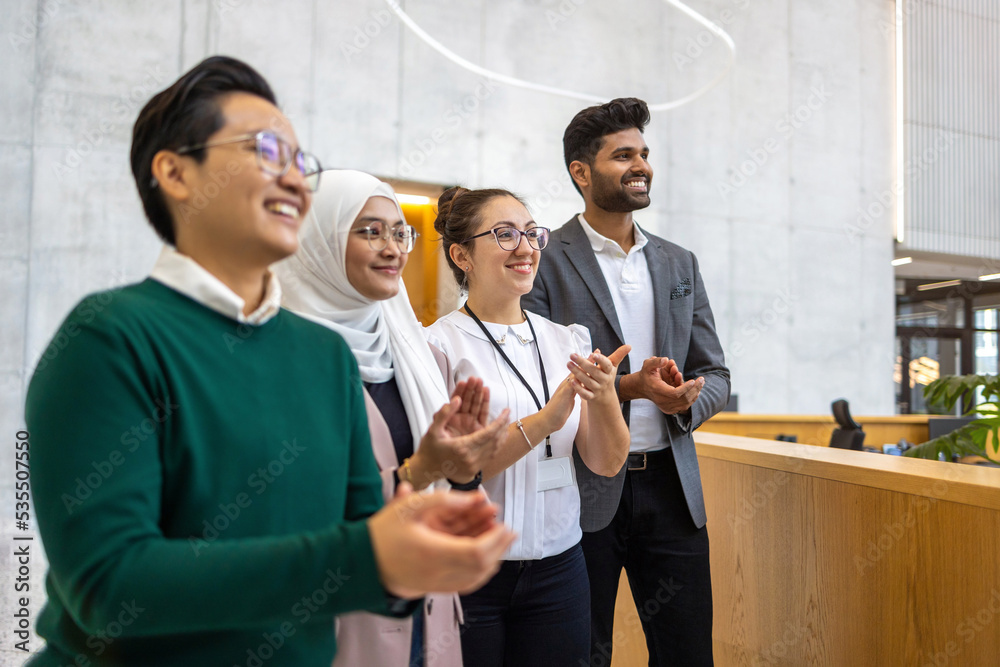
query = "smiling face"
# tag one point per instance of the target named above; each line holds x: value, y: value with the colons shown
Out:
x: 228, y: 207
x: 375, y: 273
x: 494, y: 272
x: 620, y: 177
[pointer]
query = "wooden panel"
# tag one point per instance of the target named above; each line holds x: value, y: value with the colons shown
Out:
x: 816, y: 429
x: 972, y: 485
x: 817, y: 565
x: 629, y: 641
x: 833, y: 557
x: 421, y: 272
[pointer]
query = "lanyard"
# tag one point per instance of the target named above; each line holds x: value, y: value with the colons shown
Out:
x: 541, y: 367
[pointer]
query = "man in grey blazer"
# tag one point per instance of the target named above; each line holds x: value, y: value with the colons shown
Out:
x: 626, y: 285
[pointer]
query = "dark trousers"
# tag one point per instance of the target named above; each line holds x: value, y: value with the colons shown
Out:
x: 417, y: 639
x: 532, y: 612
x: 666, y: 559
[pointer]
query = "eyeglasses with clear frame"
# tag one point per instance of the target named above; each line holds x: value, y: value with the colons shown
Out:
x: 509, y: 238
x: 378, y: 234
x: 274, y: 156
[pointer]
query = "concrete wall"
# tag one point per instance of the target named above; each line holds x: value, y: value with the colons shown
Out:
x: 802, y: 293
x: 763, y: 177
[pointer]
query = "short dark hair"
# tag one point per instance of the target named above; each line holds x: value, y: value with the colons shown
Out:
x: 459, y: 216
x: 185, y: 114
x: 585, y: 133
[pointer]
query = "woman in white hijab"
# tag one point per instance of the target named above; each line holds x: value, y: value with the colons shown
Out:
x: 346, y: 276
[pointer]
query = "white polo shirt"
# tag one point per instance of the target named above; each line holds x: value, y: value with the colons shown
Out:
x: 631, y: 287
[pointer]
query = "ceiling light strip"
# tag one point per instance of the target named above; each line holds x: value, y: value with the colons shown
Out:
x: 562, y: 92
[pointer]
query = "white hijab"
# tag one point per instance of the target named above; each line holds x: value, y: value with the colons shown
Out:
x: 385, y: 336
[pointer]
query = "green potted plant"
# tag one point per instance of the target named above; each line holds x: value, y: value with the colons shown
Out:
x: 972, y: 439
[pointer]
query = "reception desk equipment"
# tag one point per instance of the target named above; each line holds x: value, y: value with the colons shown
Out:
x: 832, y: 557
x: 816, y: 429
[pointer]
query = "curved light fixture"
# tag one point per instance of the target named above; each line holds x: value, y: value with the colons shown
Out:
x: 586, y: 97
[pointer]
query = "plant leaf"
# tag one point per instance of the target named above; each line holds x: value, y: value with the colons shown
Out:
x: 968, y: 440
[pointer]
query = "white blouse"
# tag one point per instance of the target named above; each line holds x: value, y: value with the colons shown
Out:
x: 547, y: 522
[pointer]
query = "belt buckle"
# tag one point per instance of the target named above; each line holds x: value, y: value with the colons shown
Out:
x: 643, y: 462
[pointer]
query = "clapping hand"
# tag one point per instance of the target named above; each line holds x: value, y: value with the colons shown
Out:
x: 461, y: 438
x: 662, y: 382
x: 594, y: 377
x: 440, y: 542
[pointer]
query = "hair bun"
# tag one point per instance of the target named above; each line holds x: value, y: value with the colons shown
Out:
x: 449, y: 196
x: 444, y: 205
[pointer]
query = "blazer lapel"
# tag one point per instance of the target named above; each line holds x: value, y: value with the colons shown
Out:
x: 581, y: 254
x: 663, y: 285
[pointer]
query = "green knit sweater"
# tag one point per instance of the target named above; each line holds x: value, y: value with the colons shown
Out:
x: 197, y: 484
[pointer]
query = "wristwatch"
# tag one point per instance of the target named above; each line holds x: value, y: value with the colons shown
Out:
x: 468, y: 486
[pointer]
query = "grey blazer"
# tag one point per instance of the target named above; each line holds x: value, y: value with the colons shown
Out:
x: 570, y: 288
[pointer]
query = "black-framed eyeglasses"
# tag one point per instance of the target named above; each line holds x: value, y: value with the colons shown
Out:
x: 274, y: 156
x: 378, y: 234
x: 509, y: 238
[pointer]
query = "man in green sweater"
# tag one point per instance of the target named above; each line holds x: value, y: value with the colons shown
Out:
x: 201, y: 462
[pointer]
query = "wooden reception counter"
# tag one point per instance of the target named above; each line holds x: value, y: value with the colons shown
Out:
x: 816, y: 429
x: 831, y: 557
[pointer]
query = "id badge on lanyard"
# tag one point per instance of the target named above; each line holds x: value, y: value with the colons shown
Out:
x: 554, y: 473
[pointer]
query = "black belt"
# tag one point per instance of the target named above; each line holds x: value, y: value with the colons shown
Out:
x: 642, y: 460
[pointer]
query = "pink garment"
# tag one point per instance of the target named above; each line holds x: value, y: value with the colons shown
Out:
x: 370, y: 639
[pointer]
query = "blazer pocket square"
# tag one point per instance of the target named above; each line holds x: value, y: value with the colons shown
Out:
x: 683, y: 289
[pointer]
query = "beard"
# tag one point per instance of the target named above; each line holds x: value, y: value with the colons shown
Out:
x: 610, y: 195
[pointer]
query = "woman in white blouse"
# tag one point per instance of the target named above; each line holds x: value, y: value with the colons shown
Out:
x: 536, y: 610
